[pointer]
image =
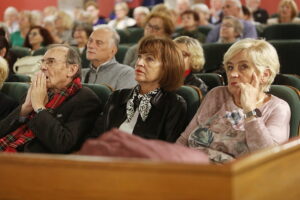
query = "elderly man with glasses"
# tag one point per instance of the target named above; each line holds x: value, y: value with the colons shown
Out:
x: 57, y: 111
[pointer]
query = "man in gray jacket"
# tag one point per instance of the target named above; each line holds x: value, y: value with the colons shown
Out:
x: 101, y: 49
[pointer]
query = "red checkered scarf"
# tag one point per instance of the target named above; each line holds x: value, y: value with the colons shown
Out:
x: 23, y: 134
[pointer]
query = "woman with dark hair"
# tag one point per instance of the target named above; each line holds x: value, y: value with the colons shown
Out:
x: 10, y: 59
x: 152, y: 109
x: 81, y: 33
x: 37, y: 38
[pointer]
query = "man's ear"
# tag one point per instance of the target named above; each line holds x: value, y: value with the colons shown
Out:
x: 73, y: 68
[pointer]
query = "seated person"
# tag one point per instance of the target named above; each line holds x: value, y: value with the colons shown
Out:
x: 6, y: 102
x: 231, y: 30
x: 38, y: 37
x: 102, y: 47
x: 57, y: 111
x: 287, y: 13
x: 156, y: 24
x: 190, y: 21
x: 259, y: 14
x: 81, y: 33
x: 121, y: 21
x: 193, y: 61
x: 242, y: 117
x: 152, y: 109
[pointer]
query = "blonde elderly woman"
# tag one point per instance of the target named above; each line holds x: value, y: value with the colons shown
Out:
x: 231, y: 30
x: 193, y: 61
x: 7, y: 103
x: 287, y: 13
x: 241, y: 117
x: 63, y: 26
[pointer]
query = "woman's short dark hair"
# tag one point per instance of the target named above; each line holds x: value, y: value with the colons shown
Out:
x: 191, y: 12
x: 88, y: 28
x: 47, y: 37
x: 169, y: 54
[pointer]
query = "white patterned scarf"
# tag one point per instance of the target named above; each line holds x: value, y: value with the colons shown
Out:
x: 143, y: 103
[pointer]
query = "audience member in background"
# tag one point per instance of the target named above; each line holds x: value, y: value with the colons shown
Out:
x: 7, y: 103
x: 102, y: 47
x: 182, y: 6
x: 10, y: 59
x: 37, y: 17
x: 203, y: 12
x: 121, y: 21
x: 216, y: 7
x: 81, y: 33
x: 193, y: 61
x: 152, y: 109
x: 163, y: 9
x: 4, y: 31
x: 242, y: 117
x: 57, y: 111
x: 63, y: 25
x: 156, y: 24
x: 140, y: 15
x: 38, y: 37
x: 287, y: 13
x: 190, y: 20
x: 17, y: 38
x: 231, y: 30
x: 246, y: 14
x: 49, y: 24
x: 11, y: 19
x: 259, y: 14
x: 84, y: 16
x: 93, y: 8
x: 50, y: 11
x: 233, y: 8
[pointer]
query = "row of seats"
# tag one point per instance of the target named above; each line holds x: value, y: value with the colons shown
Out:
x: 291, y: 95
x: 269, y: 32
x: 288, y: 52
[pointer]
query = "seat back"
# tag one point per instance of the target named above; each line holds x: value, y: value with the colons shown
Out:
x: 15, y: 90
x: 122, y: 49
x: 288, y: 79
x: 288, y: 53
x: 19, y: 52
x: 192, y: 98
x: 211, y: 79
x: 204, y: 29
x: 40, y: 52
x: 282, y: 32
x: 214, y: 53
x: 290, y: 95
x: 101, y: 90
x: 20, y: 78
x: 135, y: 34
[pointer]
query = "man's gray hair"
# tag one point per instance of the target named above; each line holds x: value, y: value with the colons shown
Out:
x: 72, y: 56
x: 115, y: 36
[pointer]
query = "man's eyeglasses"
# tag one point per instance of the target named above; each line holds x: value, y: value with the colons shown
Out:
x: 49, y: 62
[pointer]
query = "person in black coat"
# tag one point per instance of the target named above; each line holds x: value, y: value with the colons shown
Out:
x: 6, y: 102
x: 57, y: 112
x: 152, y: 109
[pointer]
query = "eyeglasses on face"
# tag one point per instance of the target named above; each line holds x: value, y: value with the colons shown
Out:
x: 153, y: 27
x: 32, y: 34
x: 49, y: 62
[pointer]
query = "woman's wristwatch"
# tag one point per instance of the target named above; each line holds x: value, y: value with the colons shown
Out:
x: 256, y: 113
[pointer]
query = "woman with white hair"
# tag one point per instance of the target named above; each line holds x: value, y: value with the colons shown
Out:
x: 6, y: 102
x: 241, y: 117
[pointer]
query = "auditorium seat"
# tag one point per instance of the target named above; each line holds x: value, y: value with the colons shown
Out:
x: 193, y: 97
x: 214, y: 53
x: 19, y: 52
x: 122, y: 49
x: 19, y: 78
x: 211, y: 79
x: 135, y: 34
x: 101, y: 90
x: 282, y: 32
x: 15, y: 90
x: 291, y: 96
x: 287, y: 79
x: 204, y: 29
x: 288, y: 53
